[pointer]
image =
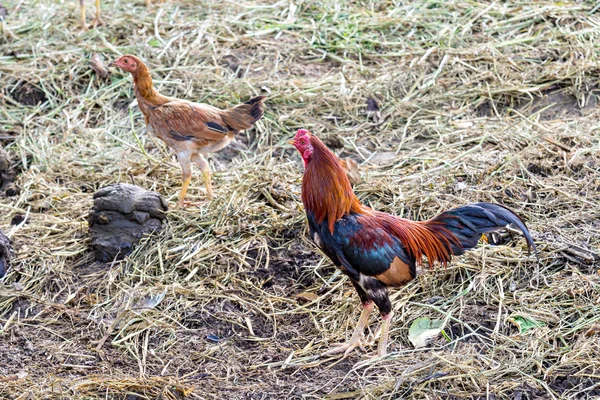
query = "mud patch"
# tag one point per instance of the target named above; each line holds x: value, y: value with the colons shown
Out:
x: 334, y: 141
x: 234, y: 64
x: 558, y: 102
x: 539, y: 170
x: 480, y: 317
x: 29, y: 94
x: 553, y: 103
x: 19, y: 218
x: 584, y: 387
x: 526, y: 392
x: 287, y: 268
x: 122, y: 103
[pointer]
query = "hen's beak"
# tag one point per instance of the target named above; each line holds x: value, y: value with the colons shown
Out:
x: 111, y: 64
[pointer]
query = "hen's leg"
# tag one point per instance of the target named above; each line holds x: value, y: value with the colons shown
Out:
x: 149, y: 3
x: 186, y: 170
x: 97, y: 21
x: 82, y: 6
x: 201, y: 162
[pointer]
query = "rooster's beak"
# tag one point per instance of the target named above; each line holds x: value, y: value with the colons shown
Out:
x: 292, y: 142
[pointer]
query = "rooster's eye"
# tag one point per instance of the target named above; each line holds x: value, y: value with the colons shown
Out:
x: 302, y: 142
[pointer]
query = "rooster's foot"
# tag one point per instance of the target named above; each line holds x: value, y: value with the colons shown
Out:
x: 346, y: 348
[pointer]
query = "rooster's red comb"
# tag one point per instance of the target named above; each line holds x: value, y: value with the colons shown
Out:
x: 302, y: 132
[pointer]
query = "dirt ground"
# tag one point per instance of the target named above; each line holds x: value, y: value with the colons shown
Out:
x: 441, y: 103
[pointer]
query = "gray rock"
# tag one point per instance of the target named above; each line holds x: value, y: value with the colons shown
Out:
x: 6, y: 252
x: 121, y: 216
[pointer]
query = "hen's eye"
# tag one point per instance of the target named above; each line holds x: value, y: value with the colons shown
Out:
x: 126, y: 61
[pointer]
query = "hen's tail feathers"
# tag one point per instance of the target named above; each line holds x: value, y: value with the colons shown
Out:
x: 468, y: 223
x: 243, y: 116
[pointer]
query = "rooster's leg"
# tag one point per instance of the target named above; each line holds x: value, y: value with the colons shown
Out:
x: 97, y: 21
x: 377, y: 291
x: 386, y: 319
x: 186, y: 169
x: 83, y: 24
x: 385, y: 333
x: 201, y: 162
x: 357, y: 337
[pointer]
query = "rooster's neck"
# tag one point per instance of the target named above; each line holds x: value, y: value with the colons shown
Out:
x: 326, y: 190
x: 144, y: 90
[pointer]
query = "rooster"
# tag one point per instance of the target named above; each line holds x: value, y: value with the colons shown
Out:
x: 191, y: 129
x: 376, y: 250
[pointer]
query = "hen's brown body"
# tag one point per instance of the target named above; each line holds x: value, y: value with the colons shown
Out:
x: 191, y: 129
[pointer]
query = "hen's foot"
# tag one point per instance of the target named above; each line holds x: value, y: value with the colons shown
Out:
x: 96, y: 22
x: 187, y: 203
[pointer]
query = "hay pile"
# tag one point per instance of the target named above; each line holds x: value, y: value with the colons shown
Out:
x: 479, y: 101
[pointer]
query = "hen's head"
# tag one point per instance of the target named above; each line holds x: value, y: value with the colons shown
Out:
x: 127, y: 63
x: 303, y: 144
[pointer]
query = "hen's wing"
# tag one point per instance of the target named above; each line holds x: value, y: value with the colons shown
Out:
x: 183, y: 120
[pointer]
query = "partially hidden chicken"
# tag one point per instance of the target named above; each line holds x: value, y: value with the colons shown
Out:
x: 376, y: 250
x: 97, y: 21
x: 191, y: 129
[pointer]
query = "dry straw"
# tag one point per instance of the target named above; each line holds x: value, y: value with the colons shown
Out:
x: 480, y: 101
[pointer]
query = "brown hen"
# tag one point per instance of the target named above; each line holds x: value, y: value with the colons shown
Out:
x: 191, y: 129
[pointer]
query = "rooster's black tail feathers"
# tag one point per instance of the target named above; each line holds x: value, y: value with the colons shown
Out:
x: 467, y: 223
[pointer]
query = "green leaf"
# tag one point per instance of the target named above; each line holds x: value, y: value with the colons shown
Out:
x: 423, y: 330
x: 525, y: 323
x: 154, y: 42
